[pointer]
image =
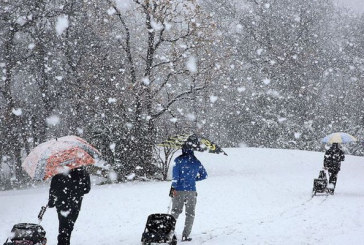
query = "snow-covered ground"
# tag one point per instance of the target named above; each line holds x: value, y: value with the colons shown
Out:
x: 252, y: 196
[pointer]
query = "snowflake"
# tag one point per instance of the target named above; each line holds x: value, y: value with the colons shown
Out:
x: 17, y: 112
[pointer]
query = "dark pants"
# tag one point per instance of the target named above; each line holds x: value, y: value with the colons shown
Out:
x: 333, y: 176
x: 67, y: 219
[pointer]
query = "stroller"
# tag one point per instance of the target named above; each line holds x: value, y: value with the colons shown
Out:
x: 28, y: 233
x: 320, y: 184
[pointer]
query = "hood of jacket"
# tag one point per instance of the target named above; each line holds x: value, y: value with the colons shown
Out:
x: 186, y: 151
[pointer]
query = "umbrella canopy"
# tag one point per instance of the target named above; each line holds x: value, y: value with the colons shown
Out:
x: 193, y: 142
x: 338, y: 137
x: 57, y: 155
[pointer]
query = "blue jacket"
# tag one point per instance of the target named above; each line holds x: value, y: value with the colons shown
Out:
x: 186, y: 171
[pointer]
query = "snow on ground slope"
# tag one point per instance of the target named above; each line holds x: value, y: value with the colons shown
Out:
x: 252, y: 196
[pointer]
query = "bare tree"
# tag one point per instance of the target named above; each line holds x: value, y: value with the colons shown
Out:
x: 157, y: 54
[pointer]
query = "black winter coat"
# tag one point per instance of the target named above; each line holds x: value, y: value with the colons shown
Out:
x: 333, y: 158
x: 66, y: 191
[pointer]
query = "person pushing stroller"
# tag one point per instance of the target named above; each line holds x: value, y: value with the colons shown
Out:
x: 332, y: 162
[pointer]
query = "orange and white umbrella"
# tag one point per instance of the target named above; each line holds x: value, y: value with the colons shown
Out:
x: 59, y: 155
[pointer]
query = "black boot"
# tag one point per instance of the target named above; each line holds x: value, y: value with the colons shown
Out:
x: 186, y: 239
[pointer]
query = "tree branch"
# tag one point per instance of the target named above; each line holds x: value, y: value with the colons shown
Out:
x: 127, y: 46
x: 177, y: 98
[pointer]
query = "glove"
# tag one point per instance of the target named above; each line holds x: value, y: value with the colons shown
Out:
x: 50, y: 205
x: 51, y: 202
x: 171, y: 192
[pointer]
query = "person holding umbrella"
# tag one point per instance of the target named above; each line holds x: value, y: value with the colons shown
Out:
x: 186, y: 171
x: 64, y: 160
x: 332, y: 162
x: 334, y: 155
x: 66, y: 193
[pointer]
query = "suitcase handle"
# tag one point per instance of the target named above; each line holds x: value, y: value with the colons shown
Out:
x: 41, y: 213
x: 169, y: 208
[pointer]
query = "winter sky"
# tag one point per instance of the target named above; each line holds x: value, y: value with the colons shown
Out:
x: 356, y: 5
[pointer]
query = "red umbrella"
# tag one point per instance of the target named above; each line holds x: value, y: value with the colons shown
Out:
x: 58, y: 156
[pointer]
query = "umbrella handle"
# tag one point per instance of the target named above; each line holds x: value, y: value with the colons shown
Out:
x: 41, y: 213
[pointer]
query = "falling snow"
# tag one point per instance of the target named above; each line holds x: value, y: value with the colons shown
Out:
x: 112, y: 146
x: 266, y: 81
x: 53, y: 120
x: 61, y: 24
x: 111, y: 11
x: 191, y: 117
x: 31, y: 46
x: 17, y: 111
x: 241, y: 89
x: 125, y: 75
x: 146, y: 81
x: 297, y: 135
x: 111, y: 100
x: 174, y: 120
x: 213, y: 98
x: 192, y: 64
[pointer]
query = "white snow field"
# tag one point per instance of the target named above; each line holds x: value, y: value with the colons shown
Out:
x: 252, y: 196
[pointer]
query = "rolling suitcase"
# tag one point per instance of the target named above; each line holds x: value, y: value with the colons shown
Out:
x: 160, y: 228
x: 28, y: 233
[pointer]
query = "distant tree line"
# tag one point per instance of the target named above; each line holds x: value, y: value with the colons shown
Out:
x: 124, y: 75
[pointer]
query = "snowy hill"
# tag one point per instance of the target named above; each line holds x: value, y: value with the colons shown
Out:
x: 252, y: 196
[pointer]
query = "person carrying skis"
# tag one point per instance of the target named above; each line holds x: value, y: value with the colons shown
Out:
x: 66, y: 193
x: 186, y: 171
x: 332, y: 162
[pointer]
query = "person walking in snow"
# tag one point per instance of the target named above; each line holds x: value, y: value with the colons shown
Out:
x: 186, y: 171
x: 66, y: 193
x: 332, y: 162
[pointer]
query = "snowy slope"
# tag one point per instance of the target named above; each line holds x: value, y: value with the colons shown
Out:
x: 252, y: 196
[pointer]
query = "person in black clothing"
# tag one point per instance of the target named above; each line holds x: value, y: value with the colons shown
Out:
x: 66, y: 194
x: 332, y: 162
